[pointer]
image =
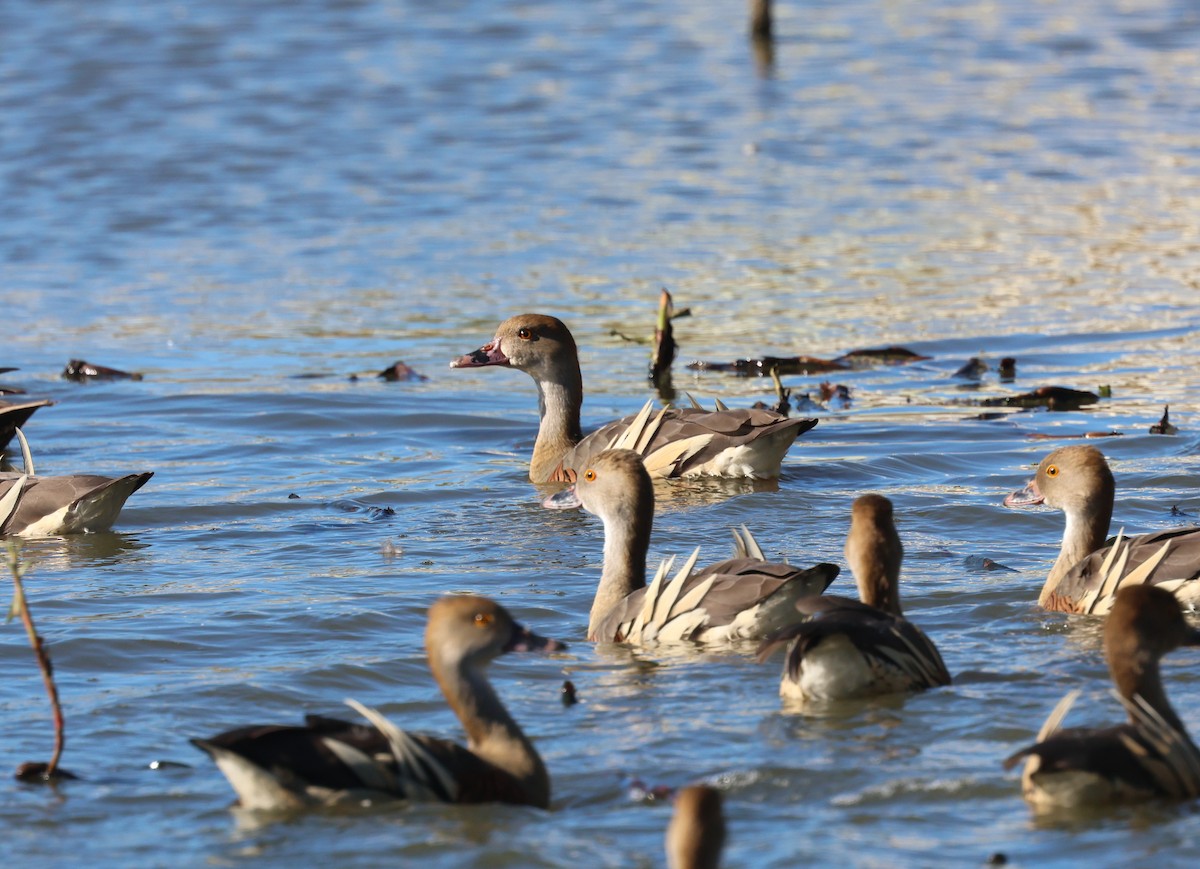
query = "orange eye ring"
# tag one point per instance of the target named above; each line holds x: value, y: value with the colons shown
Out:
x: 589, y: 475
x: 482, y: 620
x: 524, y: 333
x: 1052, y: 471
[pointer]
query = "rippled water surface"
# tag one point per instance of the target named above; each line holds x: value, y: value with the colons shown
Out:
x: 250, y: 202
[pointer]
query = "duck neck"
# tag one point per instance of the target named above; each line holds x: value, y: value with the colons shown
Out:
x: 626, y: 541
x: 1086, y: 529
x: 1139, y: 675
x: 492, y: 734
x: 878, y: 587
x: 559, y: 400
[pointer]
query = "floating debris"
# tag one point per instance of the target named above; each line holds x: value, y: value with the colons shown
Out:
x: 783, y: 403
x: 1044, y: 436
x: 835, y: 393
x: 168, y: 764
x: 974, y: 369
x: 1051, y: 397
x: 1105, y: 391
x: 350, y: 505
x: 80, y: 371
x: 36, y: 772
x: 399, y: 371
x: 1163, y: 426
x: 390, y: 550
x: 664, y: 342
x: 782, y: 365
x: 978, y: 562
x: 880, y: 356
x: 568, y: 693
x: 1008, y: 369
x: 640, y: 792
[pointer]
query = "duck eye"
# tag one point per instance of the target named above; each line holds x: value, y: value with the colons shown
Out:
x: 1052, y: 471
x: 589, y: 475
x: 482, y: 620
x: 524, y: 333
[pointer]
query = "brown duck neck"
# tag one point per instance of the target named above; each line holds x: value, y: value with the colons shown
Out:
x: 492, y: 734
x: 1138, y: 674
x: 626, y: 541
x: 559, y: 400
x: 878, y: 586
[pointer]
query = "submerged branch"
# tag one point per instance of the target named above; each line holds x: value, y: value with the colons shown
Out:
x: 37, y: 771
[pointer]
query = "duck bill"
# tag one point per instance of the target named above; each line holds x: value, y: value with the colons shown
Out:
x: 567, y: 499
x: 1029, y: 496
x: 525, y: 640
x: 488, y: 354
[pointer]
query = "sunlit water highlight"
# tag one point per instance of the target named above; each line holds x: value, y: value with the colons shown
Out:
x: 227, y: 197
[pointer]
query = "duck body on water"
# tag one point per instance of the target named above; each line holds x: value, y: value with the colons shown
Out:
x: 740, y: 598
x: 684, y: 442
x: 1087, y: 574
x: 847, y: 648
x: 1151, y: 755
x: 328, y: 761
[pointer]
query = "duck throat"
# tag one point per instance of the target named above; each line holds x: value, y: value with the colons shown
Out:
x: 1084, y: 534
x: 492, y: 734
x: 626, y: 541
x: 558, y: 405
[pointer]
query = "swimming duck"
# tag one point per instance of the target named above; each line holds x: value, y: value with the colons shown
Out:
x: 328, y: 761
x: 1149, y: 756
x: 859, y: 648
x: 679, y: 442
x: 1087, y: 574
x: 32, y: 506
x: 745, y: 597
x: 696, y: 833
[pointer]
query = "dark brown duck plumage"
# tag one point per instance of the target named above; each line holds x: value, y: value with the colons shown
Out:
x: 859, y: 648
x: 327, y: 760
x: 1151, y: 755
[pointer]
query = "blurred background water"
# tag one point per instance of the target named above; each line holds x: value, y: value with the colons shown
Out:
x: 249, y: 203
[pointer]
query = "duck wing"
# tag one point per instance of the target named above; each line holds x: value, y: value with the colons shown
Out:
x: 739, y: 597
x: 1167, y: 558
x: 890, y: 645
x: 679, y: 442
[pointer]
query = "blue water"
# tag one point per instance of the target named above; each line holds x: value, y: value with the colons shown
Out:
x: 249, y: 203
